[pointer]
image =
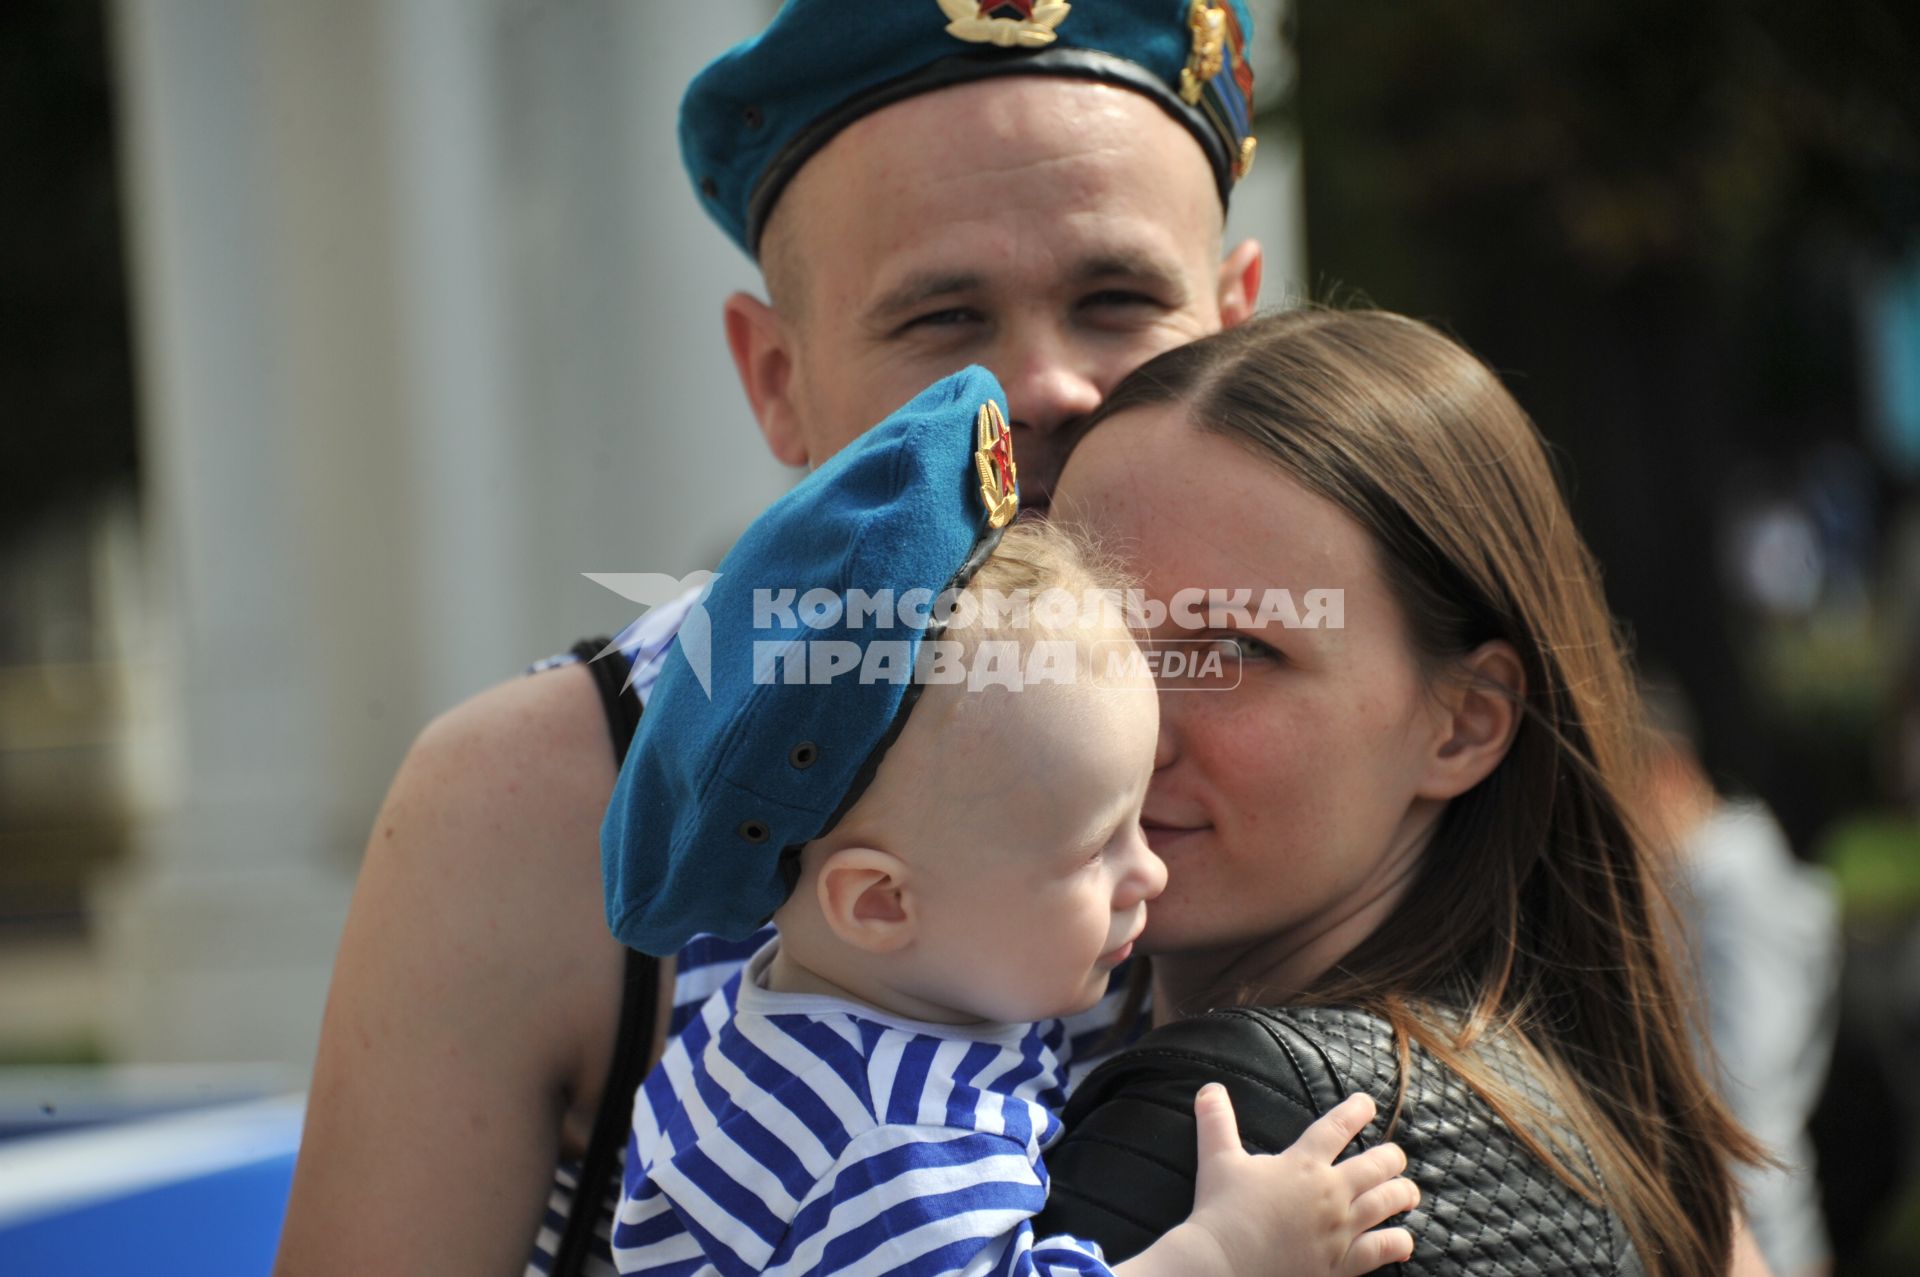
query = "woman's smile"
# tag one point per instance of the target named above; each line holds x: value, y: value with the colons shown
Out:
x: 1167, y: 836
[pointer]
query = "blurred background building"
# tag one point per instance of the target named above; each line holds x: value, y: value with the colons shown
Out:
x: 343, y: 339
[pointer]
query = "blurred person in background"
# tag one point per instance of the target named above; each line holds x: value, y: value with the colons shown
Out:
x: 1764, y: 930
x: 925, y: 185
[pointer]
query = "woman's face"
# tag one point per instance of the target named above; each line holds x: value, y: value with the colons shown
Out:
x: 1289, y: 808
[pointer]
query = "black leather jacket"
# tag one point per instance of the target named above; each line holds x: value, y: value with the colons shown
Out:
x: 1123, y: 1173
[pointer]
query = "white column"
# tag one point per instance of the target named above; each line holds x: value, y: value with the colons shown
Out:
x: 642, y: 454
x: 467, y: 518
x: 428, y: 325
x: 219, y: 933
x: 570, y: 401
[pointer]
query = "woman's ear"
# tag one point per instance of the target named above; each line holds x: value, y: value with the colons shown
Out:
x: 864, y: 897
x: 763, y: 356
x: 1480, y: 704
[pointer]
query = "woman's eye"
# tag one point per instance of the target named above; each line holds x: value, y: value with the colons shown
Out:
x: 1248, y: 648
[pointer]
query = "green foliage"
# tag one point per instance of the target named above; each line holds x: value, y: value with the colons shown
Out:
x: 84, y: 1049
x: 1876, y: 860
x: 1624, y: 133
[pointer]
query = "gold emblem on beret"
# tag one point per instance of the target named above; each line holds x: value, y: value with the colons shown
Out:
x: 993, y: 462
x: 1244, y: 163
x: 979, y: 22
x: 1207, y: 24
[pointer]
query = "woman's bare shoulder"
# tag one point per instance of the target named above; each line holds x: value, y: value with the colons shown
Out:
x: 475, y: 994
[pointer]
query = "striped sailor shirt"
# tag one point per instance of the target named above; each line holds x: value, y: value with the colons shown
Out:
x: 795, y: 1134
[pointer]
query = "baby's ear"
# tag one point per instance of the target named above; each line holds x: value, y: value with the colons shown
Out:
x: 863, y: 897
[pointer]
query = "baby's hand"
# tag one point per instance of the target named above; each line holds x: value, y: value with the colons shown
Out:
x: 1297, y: 1211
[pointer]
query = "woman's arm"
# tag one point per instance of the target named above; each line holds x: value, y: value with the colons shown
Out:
x: 474, y: 999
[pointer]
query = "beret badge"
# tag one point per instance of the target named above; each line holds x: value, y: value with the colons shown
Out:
x: 1208, y: 26
x: 993, y: 462
x: 980, y: 23
x: 1217, y: 79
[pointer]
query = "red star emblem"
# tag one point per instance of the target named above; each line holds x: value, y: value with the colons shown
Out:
x: 993, y: 465
x: 1023, y: 7
x: 1001, y: 455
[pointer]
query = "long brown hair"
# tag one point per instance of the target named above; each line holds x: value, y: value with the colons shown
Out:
x: 1538, y: 910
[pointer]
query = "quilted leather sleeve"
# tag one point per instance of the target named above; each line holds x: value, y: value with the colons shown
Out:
x: 1123, y: 1173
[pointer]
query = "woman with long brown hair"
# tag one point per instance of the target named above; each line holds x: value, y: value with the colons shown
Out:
x: 1401, y: 856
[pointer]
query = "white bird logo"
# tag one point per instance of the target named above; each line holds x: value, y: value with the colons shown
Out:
x: 652, y: 589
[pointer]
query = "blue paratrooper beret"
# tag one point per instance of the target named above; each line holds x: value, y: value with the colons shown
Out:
x: 759, y: 111
x: 737, y: 762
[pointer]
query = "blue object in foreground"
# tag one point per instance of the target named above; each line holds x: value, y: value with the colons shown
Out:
x: 200, y: 1193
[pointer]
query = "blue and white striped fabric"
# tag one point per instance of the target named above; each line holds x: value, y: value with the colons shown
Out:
x: 792, y: 1134
x: 700, y: 970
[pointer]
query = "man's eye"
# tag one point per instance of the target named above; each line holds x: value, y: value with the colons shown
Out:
x: 1112, y: 298
x: 951, y: 317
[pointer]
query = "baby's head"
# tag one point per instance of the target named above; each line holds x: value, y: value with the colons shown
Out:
x: 994, y: 868
x: 948, y: 849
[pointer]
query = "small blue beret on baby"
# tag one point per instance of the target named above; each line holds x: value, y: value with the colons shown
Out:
x: 733, y: 764
x: 762, y: 109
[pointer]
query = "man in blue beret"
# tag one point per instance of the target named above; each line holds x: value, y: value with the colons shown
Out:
x: 1037, y: 188
x: 1034, y: 186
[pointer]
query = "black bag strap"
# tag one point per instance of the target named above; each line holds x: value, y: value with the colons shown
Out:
x: 639, y: 1007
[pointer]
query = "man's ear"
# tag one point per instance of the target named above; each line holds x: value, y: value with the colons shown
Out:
x: 763, y: 356
x: 1480, y: 709
x: 864, y: 898
x: 1240, y: 283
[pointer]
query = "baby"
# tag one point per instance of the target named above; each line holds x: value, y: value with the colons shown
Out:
x: 940, y: 810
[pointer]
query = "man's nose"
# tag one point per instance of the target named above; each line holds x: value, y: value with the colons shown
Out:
x: 1050, y: 391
